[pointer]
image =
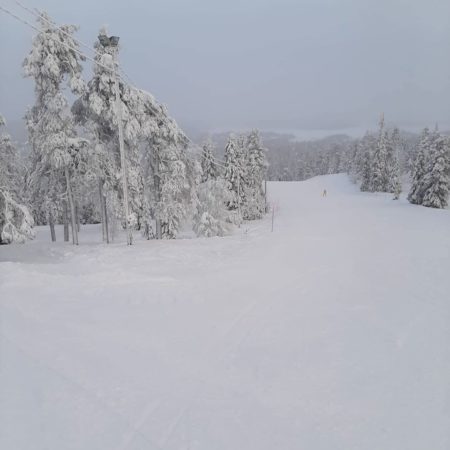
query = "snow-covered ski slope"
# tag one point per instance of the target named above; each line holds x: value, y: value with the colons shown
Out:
x: 331, y: 333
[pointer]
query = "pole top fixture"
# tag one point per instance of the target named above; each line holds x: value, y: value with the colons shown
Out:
x: 112, y: 41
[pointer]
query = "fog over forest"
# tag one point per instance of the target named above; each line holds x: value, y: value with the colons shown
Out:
x: 307, y: 67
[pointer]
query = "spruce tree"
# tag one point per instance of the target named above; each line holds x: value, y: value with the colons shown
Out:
x: 256, y: 167
x: 379, y: 163
x: 436, y: 180
x: 233, y: 176
x: 366, y: 150
x: 57, y: 152
x: 416, y: 192
x: 96, y: 111
x: 212, y: 218
x: 393, y: 182
x: 170, y: 173
x: 16, y: 221
x: 210, y: 171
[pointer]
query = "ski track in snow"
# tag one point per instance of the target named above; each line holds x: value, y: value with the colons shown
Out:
x: 331, y: 332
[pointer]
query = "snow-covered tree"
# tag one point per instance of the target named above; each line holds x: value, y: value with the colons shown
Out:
x: 178, y: 177
x: 160, y: 174
x: 365, y: 169
x: 234, y: 176
x: 393, y: 183
x: 210, y: 170
x: 436, y: 180
x: 255, y: 173
x: 169, y: 171
x: 96, y: 111
x: 416, y: 192
x: 16, y: 221
x: 379, y: 162
x: 212, y: 217
x: 57, y: 153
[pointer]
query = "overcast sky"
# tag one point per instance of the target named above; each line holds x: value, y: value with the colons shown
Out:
x: 272, y: 64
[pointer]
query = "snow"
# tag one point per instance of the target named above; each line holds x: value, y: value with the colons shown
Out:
x: 331, y: 332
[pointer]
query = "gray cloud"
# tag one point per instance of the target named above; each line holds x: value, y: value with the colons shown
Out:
x: 276, y: 64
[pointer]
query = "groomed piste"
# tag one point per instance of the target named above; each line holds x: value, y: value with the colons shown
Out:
x: 331, y: 332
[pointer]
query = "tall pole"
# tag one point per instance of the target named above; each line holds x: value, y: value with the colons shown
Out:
x: 157, y: 178
x: 239, y: 197
x: 122, y: 150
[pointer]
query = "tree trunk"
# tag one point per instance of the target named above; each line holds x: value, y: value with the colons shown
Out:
x: 102, y: 212
x: 72, y: 208
x: 106, y: 220
x: 156, y: 176
x: 52, y: 228
x: 265, y: 196
x: 77, y: 215
x: 66, y: 222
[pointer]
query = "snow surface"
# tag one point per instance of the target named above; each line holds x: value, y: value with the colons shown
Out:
x: 332, y: 332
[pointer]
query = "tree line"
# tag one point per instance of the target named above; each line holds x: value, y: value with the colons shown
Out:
x: 387, y: 160
x: 74, y: 172
x: 376, y: 165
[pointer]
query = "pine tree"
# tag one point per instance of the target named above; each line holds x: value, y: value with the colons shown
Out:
x: 416, y: 192
x: 57, y: 152
x: 210, y: 170
x: 16, y: 221
x: 367, y: 147
x: 379, y: 163
x: 393, y: 183
x: 233, y: 176
x: 169, y: 171
x: 96, y: 111
x: 255, y: 173
x: 179, y: 176
x: 160, y: 173
x: 212, y: 218
x: 436, y: 180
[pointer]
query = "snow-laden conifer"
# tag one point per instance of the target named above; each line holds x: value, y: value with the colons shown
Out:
x: 366, y: 149
x: 436, y: 180
x: 255, y: 173
x: 379, y: 161
x: 416, y: 192
x: 170, y: 172
x: 393, y: 182
x: 57, y: 152
x: 210, y: 170
x: 234, y: 177
x: 212, y: 217
x: 96, y: 110
x: 16, y: 221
